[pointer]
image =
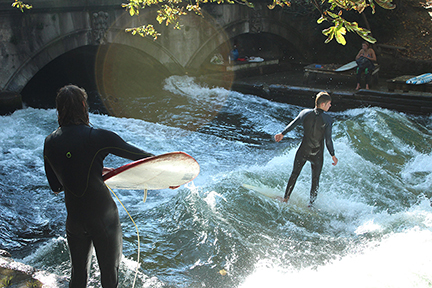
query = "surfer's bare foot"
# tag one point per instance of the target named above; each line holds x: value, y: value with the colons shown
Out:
x: 282, y: 199
x: 358, y: 87
x: 367, y: 86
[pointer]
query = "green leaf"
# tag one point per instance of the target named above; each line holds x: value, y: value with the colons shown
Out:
x: 372, y: 5
x: 328, y: 31
x: 321, y: 19
x: 386, y: 4
x: 339, y: 34
x: 20, y: 5
x: 250, y: 4
x: 333, y: 15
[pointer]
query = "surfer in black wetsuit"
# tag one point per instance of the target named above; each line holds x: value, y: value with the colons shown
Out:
x: 317, y: 130
x: 73, y: 156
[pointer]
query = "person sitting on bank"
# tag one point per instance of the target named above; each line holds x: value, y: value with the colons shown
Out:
x: 364, y: 60
x: 234, y: 55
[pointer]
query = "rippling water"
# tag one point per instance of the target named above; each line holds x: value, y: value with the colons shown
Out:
x: 371, y: 225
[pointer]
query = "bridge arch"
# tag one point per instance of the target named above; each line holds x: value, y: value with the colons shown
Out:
x: 108, y: 54
x: 45, y: 55
x: 83, y: 36
x: 269, y: 23
x: 48, y: 34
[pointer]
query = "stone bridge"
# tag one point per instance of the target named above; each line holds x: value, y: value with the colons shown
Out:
x: 84, y: 41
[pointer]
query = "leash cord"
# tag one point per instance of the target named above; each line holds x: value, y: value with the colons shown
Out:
x: 136, y: 227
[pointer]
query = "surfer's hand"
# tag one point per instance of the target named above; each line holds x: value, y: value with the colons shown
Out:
x: 174, y: 187
x: 335, y: 160
x: 106, y: 170
x: 278, y: 137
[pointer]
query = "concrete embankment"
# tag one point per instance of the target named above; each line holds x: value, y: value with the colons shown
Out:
x: 285, y: 83
x: 342, y: 100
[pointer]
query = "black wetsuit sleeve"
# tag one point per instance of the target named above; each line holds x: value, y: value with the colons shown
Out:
x: 53, y: 181
x: 298, y: 120
x: 114, y: 144
x: 328, y: 134
x: 74, y: 157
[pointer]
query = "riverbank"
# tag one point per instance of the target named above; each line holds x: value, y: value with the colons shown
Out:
x: 19, y: 275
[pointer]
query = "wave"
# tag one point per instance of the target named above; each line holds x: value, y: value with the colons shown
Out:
x: 216, y: 233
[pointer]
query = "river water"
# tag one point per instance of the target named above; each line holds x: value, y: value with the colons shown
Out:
x: 371, y: 225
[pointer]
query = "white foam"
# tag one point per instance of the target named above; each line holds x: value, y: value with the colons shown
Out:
x: 198, y: 94
x: 418, y: 172
x: 378, y: 215
x: 400, y: 260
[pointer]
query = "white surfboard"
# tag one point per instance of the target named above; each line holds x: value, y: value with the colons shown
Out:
x: 421, y: 79
x: 295, y: 204
x: 266, y: 191
x: 154, y: 173
x: 347, y: 66
x: 255, y: 59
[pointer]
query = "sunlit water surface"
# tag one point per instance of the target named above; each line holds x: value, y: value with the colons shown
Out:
x: 371, y: 225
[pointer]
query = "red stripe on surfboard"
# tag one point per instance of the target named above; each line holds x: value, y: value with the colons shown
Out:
x: 139, y: 162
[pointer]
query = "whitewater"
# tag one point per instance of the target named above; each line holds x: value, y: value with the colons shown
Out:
x: 371, y: 225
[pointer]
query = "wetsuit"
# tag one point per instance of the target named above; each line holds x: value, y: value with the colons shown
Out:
x: 317, y: 130
x: 367, y: 66
x: 74, y: 162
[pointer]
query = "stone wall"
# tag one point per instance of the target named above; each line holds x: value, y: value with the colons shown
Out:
x: 31, y: 40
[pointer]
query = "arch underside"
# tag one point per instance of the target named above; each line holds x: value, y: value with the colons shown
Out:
x: 213, y: 38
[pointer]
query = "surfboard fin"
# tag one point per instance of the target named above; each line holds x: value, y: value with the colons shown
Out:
x: 145, y: 195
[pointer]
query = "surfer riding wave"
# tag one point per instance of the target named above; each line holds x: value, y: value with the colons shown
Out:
x: 317, y: 130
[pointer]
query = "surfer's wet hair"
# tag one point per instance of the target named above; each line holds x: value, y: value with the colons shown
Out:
x: 322, y: 97
x: 72, y: 107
